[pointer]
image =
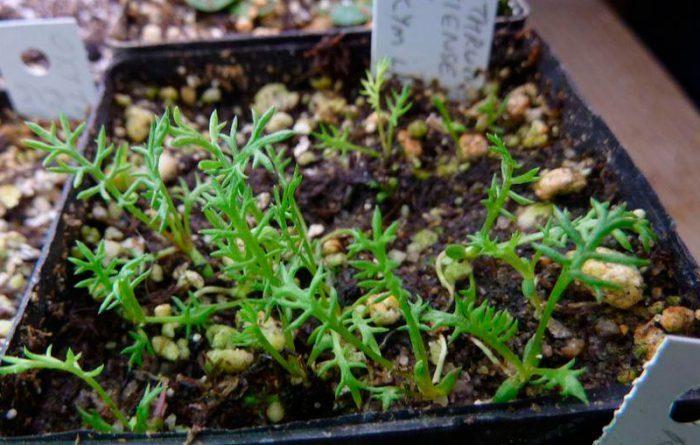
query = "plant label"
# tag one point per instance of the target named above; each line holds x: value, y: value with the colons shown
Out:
x: 445, y: 40
x: 44, y: 65
x: 644, y: 416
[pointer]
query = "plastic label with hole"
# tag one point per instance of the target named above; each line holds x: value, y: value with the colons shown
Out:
x: 44, y: 65
x: 445, y: 40
x: 644, y: 416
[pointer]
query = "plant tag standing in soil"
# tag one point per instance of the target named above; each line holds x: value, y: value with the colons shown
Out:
x: 45, y: 67
x: 446, y: 40
x: 644, y: 417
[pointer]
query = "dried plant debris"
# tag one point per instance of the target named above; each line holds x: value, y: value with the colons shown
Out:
x: 328, y: 253
x: 28, y: 198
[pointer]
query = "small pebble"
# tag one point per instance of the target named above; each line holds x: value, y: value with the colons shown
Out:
x: 316, y: 230
x: 275, y: 412
x: 335, y: 259
x: 168, y: 167
x: 331, y: 246
x: 112, y: 233
x: 9, y: 196
x: 189, y: 95
x: 605, y: 327
x: 5, y: 326
x: 558, y: 330
x: 280, y: 121
x: 472, y: 146
x: 302, y: 126
x: 151, y: 33
x: 412, y: 148
x: 560, y: 181
x: 138, y: 123
x: 572, y: 348
x: 112, y: 249
x: 647, y: 338
x: 417, y: 129
x: 306, y: 158
x: 677, y: 319
x: 211, y: 95
x: 156, y: 273
x: 169, y: 94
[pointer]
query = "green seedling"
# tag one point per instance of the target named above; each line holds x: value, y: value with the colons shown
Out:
x: 378, y: 278
x: 565, y: 241
x: 454, y: 129
x: 332, y: 138
x: 388, y: 109
x: 140, y: 423
x: 119, y: 181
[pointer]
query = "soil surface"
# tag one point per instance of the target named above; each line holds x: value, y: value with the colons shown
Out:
x: 433, y: 190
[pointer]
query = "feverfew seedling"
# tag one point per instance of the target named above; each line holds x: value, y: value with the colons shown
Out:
x: 565, y: 241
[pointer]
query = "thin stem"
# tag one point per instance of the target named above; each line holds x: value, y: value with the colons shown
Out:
x: 390, y: 137
x: 503, y: 195
x: 106, y: 399
x: 555, y: 295
x: 251, y: 242
x: 506, y: 353
x: 413, y: 330
x: 525, y: 269
x: 301, y: 223
x: 382, y: 137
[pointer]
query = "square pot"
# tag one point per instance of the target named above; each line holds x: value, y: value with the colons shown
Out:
x: 543, y: 420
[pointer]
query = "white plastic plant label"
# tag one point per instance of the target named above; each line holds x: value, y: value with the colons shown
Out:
x: 644, y: 417
x: 44, y: 65
x: 445, y: 40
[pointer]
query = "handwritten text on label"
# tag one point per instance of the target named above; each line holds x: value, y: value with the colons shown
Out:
x: 447, y: 40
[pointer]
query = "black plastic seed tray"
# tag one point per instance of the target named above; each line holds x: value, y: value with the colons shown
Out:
x: 544, y: 421
x: 505, y: 25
